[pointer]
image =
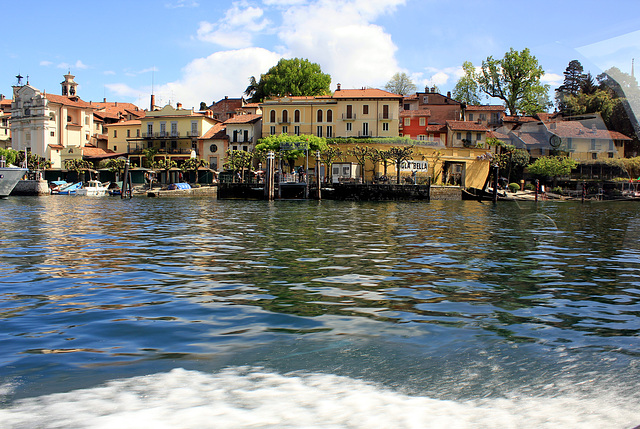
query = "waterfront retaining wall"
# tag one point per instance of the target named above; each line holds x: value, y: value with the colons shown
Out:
x: 31, y: 187
x: 447, y: 193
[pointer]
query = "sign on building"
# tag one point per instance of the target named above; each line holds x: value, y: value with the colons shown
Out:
x: 418, y: 166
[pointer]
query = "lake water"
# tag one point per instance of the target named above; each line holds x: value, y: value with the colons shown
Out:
x: 194, y: 312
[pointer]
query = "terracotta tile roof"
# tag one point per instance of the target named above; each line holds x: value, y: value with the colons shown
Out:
x: 436, y: 128
x: 243, y: 119
x: 365, y: 93
x: 575, y: 129
x: 124, y: 123
x: 96, y: 152
x: 498, y: 135
x: 415, y: 113
x: 218, y: 131
x: 519, y: 119
x: 485, y: 108
x: 66, y: 101
x: 410, y: 97
x: 533, y: 138
x: 466, y: 126
x: 56, y: 146
x: 252, y: 105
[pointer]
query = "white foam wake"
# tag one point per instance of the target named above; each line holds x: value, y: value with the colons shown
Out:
x: 251, y: 398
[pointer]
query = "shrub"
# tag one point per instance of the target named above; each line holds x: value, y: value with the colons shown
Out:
x: 514, y: 187
x: 530, y: 187
x: 557, y: 190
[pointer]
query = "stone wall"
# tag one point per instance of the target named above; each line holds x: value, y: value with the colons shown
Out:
x: 31, y: 187
x: 447, y: 193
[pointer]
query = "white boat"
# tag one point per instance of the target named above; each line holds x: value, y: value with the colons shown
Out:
x: 9, y: 177
x: 94, y: 188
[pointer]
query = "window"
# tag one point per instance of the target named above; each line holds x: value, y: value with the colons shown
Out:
x: 385, y: 111
x: 594, y: 155
x: 128, y: 133
x: 272, y: 130
x: 423, y: 122
x: 319, y: 115
x: 459, y: 136
x: 137, y: 133
x: 407, y: 121
x: 478, y: 136
x: 348, y: 126
x: 163, y: 128
x: 425, y: 99
x: 194, y: 128
x: 471, y: 116
x: 350, y: 112
x: 407, y: 106
x: 213, y: 148
x: 593, y: 144
x: 296, y: 116
x: 610, y: 154
x: 365, y: 128
x: 115, y: 148
x: 174, y: 144
x: 569, y: 143
x: 213, y: 163
x: 174, y: 128
x: 245, y: 148
x: 285, y: 117
x: 285, y: 129
x: 468, y: 138
x: 483, y: 117
x: 329, y: 131
x: 234, y: 147
x: 86, y: 120
x: 329, y: 115
x: 53, y: 133
x: 385, y: 126
x: 296, y: 130
x: 272, y: 116
x: 365, y: 109
x: 422, y: 137
x: 149, y: 130
x: 115, y: 133
x: 319, y: 131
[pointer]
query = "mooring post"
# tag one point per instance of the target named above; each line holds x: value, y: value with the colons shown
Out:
x: 495, y: 183
x: 318, y: 174
x: 125, y: 178
x: 268, y: 186
x: 537, y: 189
x: 584, y: 191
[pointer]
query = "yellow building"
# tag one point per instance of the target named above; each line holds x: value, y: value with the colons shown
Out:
x: 347, y: 113
x: 120, y: 132
x: 173, y: 132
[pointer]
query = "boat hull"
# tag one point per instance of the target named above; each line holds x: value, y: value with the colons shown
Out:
x: 9, y: 177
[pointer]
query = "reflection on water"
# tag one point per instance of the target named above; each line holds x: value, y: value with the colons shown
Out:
x: 108, y: 283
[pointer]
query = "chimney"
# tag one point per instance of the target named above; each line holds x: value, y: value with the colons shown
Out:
x: 104, y: 100
x: 153, y: 102
x: 178, y: 105
x: 448, y: 94
x: 338, y: 88
x: 226, y: 97
x: 116, y: 104
x: 1, y: 97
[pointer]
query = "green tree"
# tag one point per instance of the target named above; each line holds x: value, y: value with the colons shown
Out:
x: 328, y: 156
x: 284, y: 145
x: 515, y: 79
x: 361, y: 154
x: 401, y: 84
x: 238, y: 161
x: 10, y: 155
x: 467, y: 89
x: 203, y: 106
x: 192, y: 164
x: 164, y: 164
x: 573, y: 82
x: 399, y: 155
x: 552, y: 167
x: 289, y: 77
x: 149, y: 156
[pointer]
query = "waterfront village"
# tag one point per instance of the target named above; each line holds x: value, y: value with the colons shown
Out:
x: 369, y: 136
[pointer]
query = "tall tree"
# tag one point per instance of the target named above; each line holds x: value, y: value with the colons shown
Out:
x: 572, y: 85
x: 361, y: 154
x: 466, y: 89
x: 399, y: 155
x: 294, y: 76
x: 515, y: 79
x: 330, y: 155
x: 401, y: 84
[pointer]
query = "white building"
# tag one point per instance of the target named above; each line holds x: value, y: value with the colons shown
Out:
x: 55, y: 127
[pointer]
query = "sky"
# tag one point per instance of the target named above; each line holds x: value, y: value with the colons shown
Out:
x: 190, y: 51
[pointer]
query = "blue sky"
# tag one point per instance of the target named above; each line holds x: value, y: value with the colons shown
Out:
x: 197, y: 50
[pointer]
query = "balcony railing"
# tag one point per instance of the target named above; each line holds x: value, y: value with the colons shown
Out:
x: 387, y: 117
x: 348, y: 116
x: 364, y: 134
x: 193, y: 133
x: 237, y: 140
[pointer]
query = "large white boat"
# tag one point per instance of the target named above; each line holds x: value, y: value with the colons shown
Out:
x: 94, y: 188
x: 9, y: 176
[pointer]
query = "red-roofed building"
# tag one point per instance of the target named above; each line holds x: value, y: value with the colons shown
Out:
x: 226, y: 108
x: 489, y: 116
x: 443, y: 108
x: 466, y: 134
x: 415, y: 125
x: 213, y: 146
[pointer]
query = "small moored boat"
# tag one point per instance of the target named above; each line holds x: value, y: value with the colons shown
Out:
x: 94, y: 188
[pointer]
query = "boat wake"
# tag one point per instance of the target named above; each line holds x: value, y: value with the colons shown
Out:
x: 251, y: 397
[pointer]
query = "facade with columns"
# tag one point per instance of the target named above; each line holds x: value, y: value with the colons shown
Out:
x: 55, y: 127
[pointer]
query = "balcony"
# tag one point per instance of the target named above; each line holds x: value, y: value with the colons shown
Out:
x: 193, y: 133
x: 237, y: 140
x: 162, y: 135
x: 364, y: 134
x: 284, y: 121
x: 387, y: 117
x: 348, y: 117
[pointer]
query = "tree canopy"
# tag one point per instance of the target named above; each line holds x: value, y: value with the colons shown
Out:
x: 467, y: 89
x: 294, y: 76
x: 515, y: 79
x: 552, y: 166
x: 400, y: 84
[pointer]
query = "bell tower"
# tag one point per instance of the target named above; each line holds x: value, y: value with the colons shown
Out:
x: 69, y: 86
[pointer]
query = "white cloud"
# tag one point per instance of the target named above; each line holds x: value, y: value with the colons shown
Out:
x: 79, y: 65
x: 341, y: 37
x: 109, y: 72
x: 123, y: 90
x: 236, y: 29
x: 552, y: 79
x: 211, y: 78
x: 284, y: 2
x: 46, y: 63
x: 181, y: 3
